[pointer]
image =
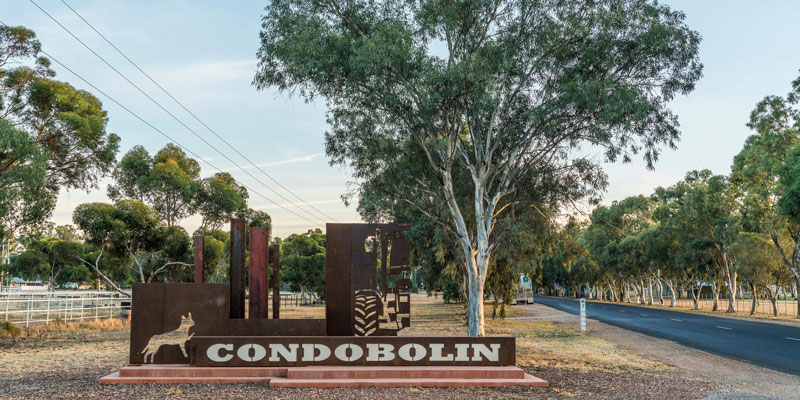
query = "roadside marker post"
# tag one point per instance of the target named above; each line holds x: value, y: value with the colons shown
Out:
x: 583, y: 315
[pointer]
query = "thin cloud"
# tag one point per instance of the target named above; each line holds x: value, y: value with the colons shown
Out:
x: 306, y: 158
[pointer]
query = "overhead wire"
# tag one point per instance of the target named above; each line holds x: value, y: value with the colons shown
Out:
x: 159, y: 105
x: 220, y: 137
x: 185, y: 148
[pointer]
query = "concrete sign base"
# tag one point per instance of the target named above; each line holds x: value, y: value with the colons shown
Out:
x: 327, y: 376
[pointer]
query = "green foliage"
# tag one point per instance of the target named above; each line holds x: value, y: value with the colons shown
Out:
x: 303, y: 262
x: 169, y: 181
x: 27, y: 198
x: 789, y: 180
x: 220, y: 198
x: 52, y: 260
x: 498, y: 92
x: 67, y: 123
x: 137, y: 245
x: 52, y: 135
x: 759, y: 261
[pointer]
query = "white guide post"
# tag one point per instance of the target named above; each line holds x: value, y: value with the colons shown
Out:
x: 583, y: 314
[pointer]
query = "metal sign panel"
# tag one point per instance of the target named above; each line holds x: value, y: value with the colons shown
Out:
x: 282, y: 351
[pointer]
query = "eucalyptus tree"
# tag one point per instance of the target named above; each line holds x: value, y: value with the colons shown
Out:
x: 216, y: 250
x: 219, y: 198
x: 67, y: 123
x: 130, y: 233
x: 767, y: 173
x: 609, y: 227
x: 303, y: 261
x: 52, y: 136
x: 168, y: 181
x: 501, y: 89
x: 660, y: 251
x: 52, y: 260
x: 706, y: 211
x: 761, y: 266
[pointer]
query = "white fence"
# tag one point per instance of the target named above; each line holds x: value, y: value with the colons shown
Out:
x: 29, y: 308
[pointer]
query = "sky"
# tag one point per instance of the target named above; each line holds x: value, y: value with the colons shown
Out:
x: 203, y: 52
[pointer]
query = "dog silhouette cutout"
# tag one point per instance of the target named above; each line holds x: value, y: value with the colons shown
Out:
x: 177, y: 337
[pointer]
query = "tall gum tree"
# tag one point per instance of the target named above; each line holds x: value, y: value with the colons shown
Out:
x: 52, y: 136
x: 708, y: 211
x: 503, y: 89
x: 766, y: 172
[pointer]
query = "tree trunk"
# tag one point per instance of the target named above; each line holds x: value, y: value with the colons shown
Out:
x: 715, y: 293
x: 695, y: 295
x: 755, y: 299
x: 796, y: 297
x: 731, y: 277
x: 627, y: 289
x: 649, y: 291
x: 671, y: 286
x: 773, y: 298
x: 475, y: 322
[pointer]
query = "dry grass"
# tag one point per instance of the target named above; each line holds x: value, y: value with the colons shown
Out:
x: 47, y: 349
x: 302, y: 312
x: 59, y: 327
x: 539, y: 344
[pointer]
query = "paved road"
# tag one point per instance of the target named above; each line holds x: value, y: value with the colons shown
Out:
x: 767, y: 345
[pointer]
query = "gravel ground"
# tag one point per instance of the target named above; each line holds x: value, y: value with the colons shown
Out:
x: 564, y: 384
x: 67, y: 366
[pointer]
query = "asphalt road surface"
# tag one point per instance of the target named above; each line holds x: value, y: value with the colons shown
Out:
x: 763, y: 344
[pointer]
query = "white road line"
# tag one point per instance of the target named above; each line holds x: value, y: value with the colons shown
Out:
x: 679, y: 320
x: 644, y: 315
x: 724, y: 327
x: 793, y: 338
x: 621, y: 310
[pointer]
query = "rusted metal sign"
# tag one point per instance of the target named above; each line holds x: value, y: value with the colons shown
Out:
x: 367, y: 302
x: 366, y: 297
x: 165, y: 315
x: 259, y: 351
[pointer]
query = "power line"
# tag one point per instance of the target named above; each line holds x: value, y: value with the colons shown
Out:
x: 162, y: 132
x: 168, y: 112
x: 193, y: 114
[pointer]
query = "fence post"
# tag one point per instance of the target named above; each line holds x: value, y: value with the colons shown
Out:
x: 96, y: 310
x: 28, y: 313
x: 47, y: 318
x: 8, y: 301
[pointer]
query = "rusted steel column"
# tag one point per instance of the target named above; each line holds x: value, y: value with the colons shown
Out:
x: 237, y: 268
x: 384, y: 266
x: 276, y: 281
x: 199, y: 258
x: 259, y: 269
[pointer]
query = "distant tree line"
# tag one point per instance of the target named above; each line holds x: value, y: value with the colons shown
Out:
x: 725, y: 232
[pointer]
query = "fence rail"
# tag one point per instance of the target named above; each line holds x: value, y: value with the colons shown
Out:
x: 30, y: 308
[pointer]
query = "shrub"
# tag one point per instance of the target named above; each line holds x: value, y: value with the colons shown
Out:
x: 8, y: 328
